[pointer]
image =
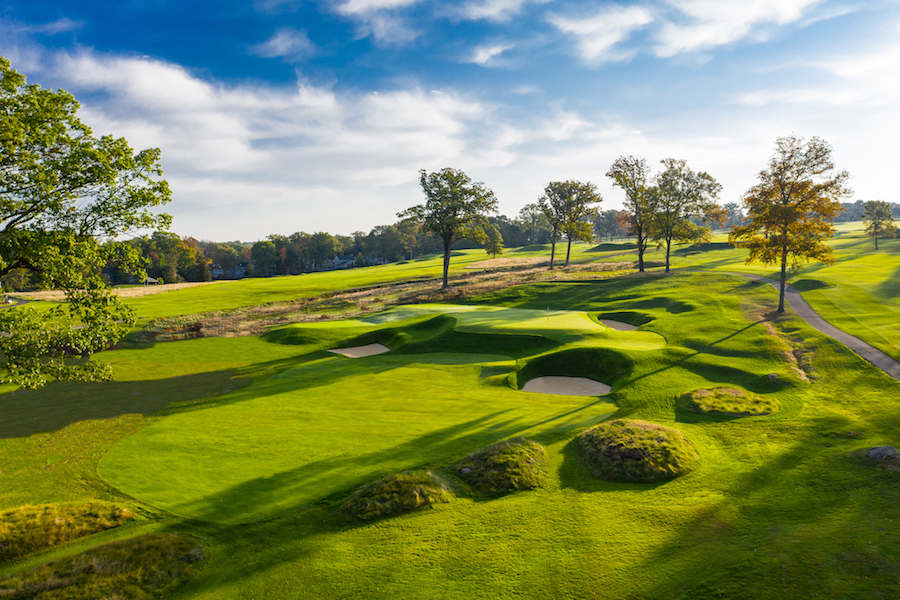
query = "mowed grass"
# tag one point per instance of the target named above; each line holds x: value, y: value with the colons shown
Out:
x: 783, y: 505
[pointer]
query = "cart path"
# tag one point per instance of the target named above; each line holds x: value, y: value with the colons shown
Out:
x: 805, y: 312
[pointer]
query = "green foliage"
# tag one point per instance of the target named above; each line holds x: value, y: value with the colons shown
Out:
x: 507, y: 466
x: 792, y: 208
x: 62, y: 192
x: 30, y: 529
x: 635, y: 450
x: 135, y: 569
x: 569, y: 207
x: 878, y: 220
x: 728, y: 401
x: 600, y: 364
x: 397, y: 493
x: 455, y: 208
x: 494, y: 245
x: 631, y: 174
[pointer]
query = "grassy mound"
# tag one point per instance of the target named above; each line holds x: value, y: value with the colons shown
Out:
x: 632, y: 450
x: 147, y: 566
x: 400, y: 492
x: 516, y: 346
x: 728, y: 401
x: 632, y: 318
x: 33, y: 528
x: 599, y: 364
x: 508, y: 466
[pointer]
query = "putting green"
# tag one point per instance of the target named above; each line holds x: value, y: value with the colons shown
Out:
x: 329, y: 425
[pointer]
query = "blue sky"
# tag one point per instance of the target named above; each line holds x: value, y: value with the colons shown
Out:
x: 276, y: 116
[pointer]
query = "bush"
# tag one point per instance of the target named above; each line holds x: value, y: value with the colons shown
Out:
x: 147, y: 566
x: 508, y: 466
x: 633, y: 450
x: 728, y: 401
x: 30, y: 529
x: 397, y: 493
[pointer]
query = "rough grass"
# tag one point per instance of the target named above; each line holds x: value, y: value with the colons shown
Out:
x: 395, y: 494
x: 508, y: 466
x: 30, y: 529
x: 728, y: 401
x: 635, y: 450
x: 139, y: 568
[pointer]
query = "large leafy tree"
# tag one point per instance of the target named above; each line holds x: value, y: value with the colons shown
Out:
x: 681, y: 193
x: 65, y: 196
x: 631, y: 174
x: 569, y: 207
x: 455, y: 208
x: 878, y: 220
x: 791, y: 210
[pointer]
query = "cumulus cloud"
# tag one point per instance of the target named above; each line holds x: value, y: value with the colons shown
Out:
x: 286, y: 43
x: 705, y: 24
x: 598, y: 36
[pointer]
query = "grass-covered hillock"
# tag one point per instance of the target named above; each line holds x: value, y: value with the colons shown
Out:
x: 514, y: 345
x: 632, y: 318
x: 600, y: 364
x: 507, y: 466
x: 634, y: 450
x: 142, y: 567
x: 728, y: 401
x: 33, y: 528
x: 397, y: 493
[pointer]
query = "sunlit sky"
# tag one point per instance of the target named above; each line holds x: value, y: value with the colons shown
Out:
x: 278, y: 116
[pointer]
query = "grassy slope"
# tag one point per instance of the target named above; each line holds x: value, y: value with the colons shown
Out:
x: 780, y: 506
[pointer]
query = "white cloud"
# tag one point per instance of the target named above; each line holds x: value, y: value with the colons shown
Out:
x: 599, y: 35
x: 366, y: 6
x: 712, y: 23
x: 286, y: 43
x: 495, y: 10
x: 486, y: 56
x: 380, y: 19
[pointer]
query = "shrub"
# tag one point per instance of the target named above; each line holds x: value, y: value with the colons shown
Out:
x: 633, y: 450
x: 33, y: 528
x: 142, y: 567
x: 400, y: 492
x: 728, y: 401
x: 508, y: 466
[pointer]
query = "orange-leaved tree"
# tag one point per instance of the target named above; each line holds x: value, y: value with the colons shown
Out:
x: 791, y: 210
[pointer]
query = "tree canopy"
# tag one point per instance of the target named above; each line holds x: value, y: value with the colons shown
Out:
x: 679, y: 194
x: 792, y: 208
x: 455, y: 208
x: 631, y: 174
x: 65, y: 195
x: 878, y: 220
x: 569, y: 206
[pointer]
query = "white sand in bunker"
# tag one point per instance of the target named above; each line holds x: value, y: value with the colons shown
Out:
x: 361, y: 351
x: 618, y: 325
x: 567, y: 386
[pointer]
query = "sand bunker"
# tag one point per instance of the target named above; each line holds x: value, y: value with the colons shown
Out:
x: 618, y: 325
x: 567, y: 386
x: 361, y: 351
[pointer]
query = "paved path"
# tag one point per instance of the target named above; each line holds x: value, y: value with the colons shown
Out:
x: 805, y: 312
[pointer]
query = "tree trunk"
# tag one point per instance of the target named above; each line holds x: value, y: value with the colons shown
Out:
x: 568, y: 251
x: 668, y: 252
x: 447, y: 244
x: 641, y: 247
x: 783, y: 278
x: 552, y: 248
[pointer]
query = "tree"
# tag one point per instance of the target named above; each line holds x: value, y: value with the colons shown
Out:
x: 878, y: 220
x: 494, y: 245
x: 566, y: 204
x: 630, y: 174
x: 264, y: 256
x: 63, y: 193
x: 678, y: 194
x: 535, y: 223
x: 791, y: 209
x: 455, y: 208
x: 607, y: 225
